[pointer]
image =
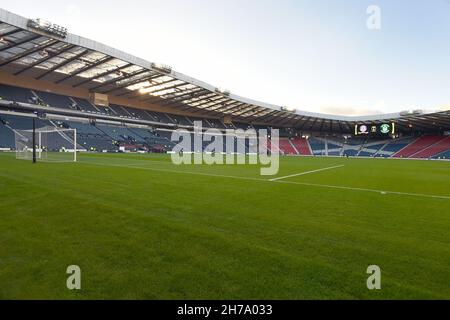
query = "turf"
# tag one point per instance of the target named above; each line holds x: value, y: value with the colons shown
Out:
x: 142, y: 228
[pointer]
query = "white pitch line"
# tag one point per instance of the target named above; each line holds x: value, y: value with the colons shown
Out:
x: 306, y: 172
x: 383, y: 192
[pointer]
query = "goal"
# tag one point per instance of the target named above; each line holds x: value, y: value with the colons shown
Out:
x: 50, y: 144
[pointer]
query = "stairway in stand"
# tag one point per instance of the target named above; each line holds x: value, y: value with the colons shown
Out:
x: 434, y: 149
x: 415, y: 149
x: 286, y: 147
x: 302, y: 145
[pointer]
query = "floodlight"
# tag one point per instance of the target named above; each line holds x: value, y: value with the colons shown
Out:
x: 225, y: 92
x: 287, y: 109
x: 161, y: 67
x: 47, y: 27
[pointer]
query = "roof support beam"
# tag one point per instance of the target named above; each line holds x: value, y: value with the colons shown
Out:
x: 28, y: 52
x: 298, y: 121
x: 136, y: 73
x: 250, y: 110
x: 260, y: 113
x: 287, y: 120
x: 143, y: 96
x: 50, y: 56
x: 137, y: 93
x: 186, y: 105
x: 206, y: 102
x: 244, y: 110
x: 200, y: 95
x: 313, y: 123
x: 102, y: 75
x: 216, y: 101
x: 421, y: 123
x: 163, y: 83
x: 273, y: 117
x: 10, y: 33
x: 131, y: 83
x: 284, y: 117
x: 213, y: 105
x: 167, y: 88
x: 304, y: 123
x: 235, y: 108
x: 183, y: 95
x: 62, y: 64
x: 231, y: 106
x: 224, y: 107
x: 267, y: 115
x: 18, y: 43
x: 322, y: 123
x: 85, y: 68
x: 340, y: 126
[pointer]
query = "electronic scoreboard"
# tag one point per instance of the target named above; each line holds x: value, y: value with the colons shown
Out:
x: 375, y: 129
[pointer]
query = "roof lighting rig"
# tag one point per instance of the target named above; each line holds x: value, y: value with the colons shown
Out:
x: 288, y: 109
x: 162, y: 67
x: 48, y: 28
x: 223, y: 91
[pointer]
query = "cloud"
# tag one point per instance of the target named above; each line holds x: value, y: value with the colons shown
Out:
x: 72, y: 11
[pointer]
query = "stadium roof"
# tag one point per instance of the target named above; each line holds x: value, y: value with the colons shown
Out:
x: 45, y: 51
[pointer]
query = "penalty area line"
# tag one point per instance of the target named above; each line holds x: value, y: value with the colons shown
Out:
x: 306, y: 172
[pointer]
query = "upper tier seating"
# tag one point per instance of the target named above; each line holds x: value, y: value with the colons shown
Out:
x: 49, y: 99
x: 15, y: 94
x: 55, y: 100
x: 120, y: 133
x: 83, y: 105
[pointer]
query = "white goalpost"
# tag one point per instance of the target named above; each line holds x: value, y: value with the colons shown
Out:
x: 50, y: 144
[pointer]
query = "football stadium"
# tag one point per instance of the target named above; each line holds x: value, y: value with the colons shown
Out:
x: 87, y: 179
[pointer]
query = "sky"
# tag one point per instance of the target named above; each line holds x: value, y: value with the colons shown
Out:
x: 311, y: 55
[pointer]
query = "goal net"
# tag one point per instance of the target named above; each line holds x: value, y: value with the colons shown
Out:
x: 52, y: 144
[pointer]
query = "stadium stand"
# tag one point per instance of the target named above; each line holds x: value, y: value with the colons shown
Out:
x: 440, y: 146
x: 16, y: 94
x: 110, y: 137
x: 302, y: 146
x: 417, y: 146
x: 396, y: 145
x: 443, y: 155
x: 286, y: 146
x: 6, y: 136
x: 318, y: 146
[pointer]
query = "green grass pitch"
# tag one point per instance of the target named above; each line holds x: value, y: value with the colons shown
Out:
x: 141, y: 227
